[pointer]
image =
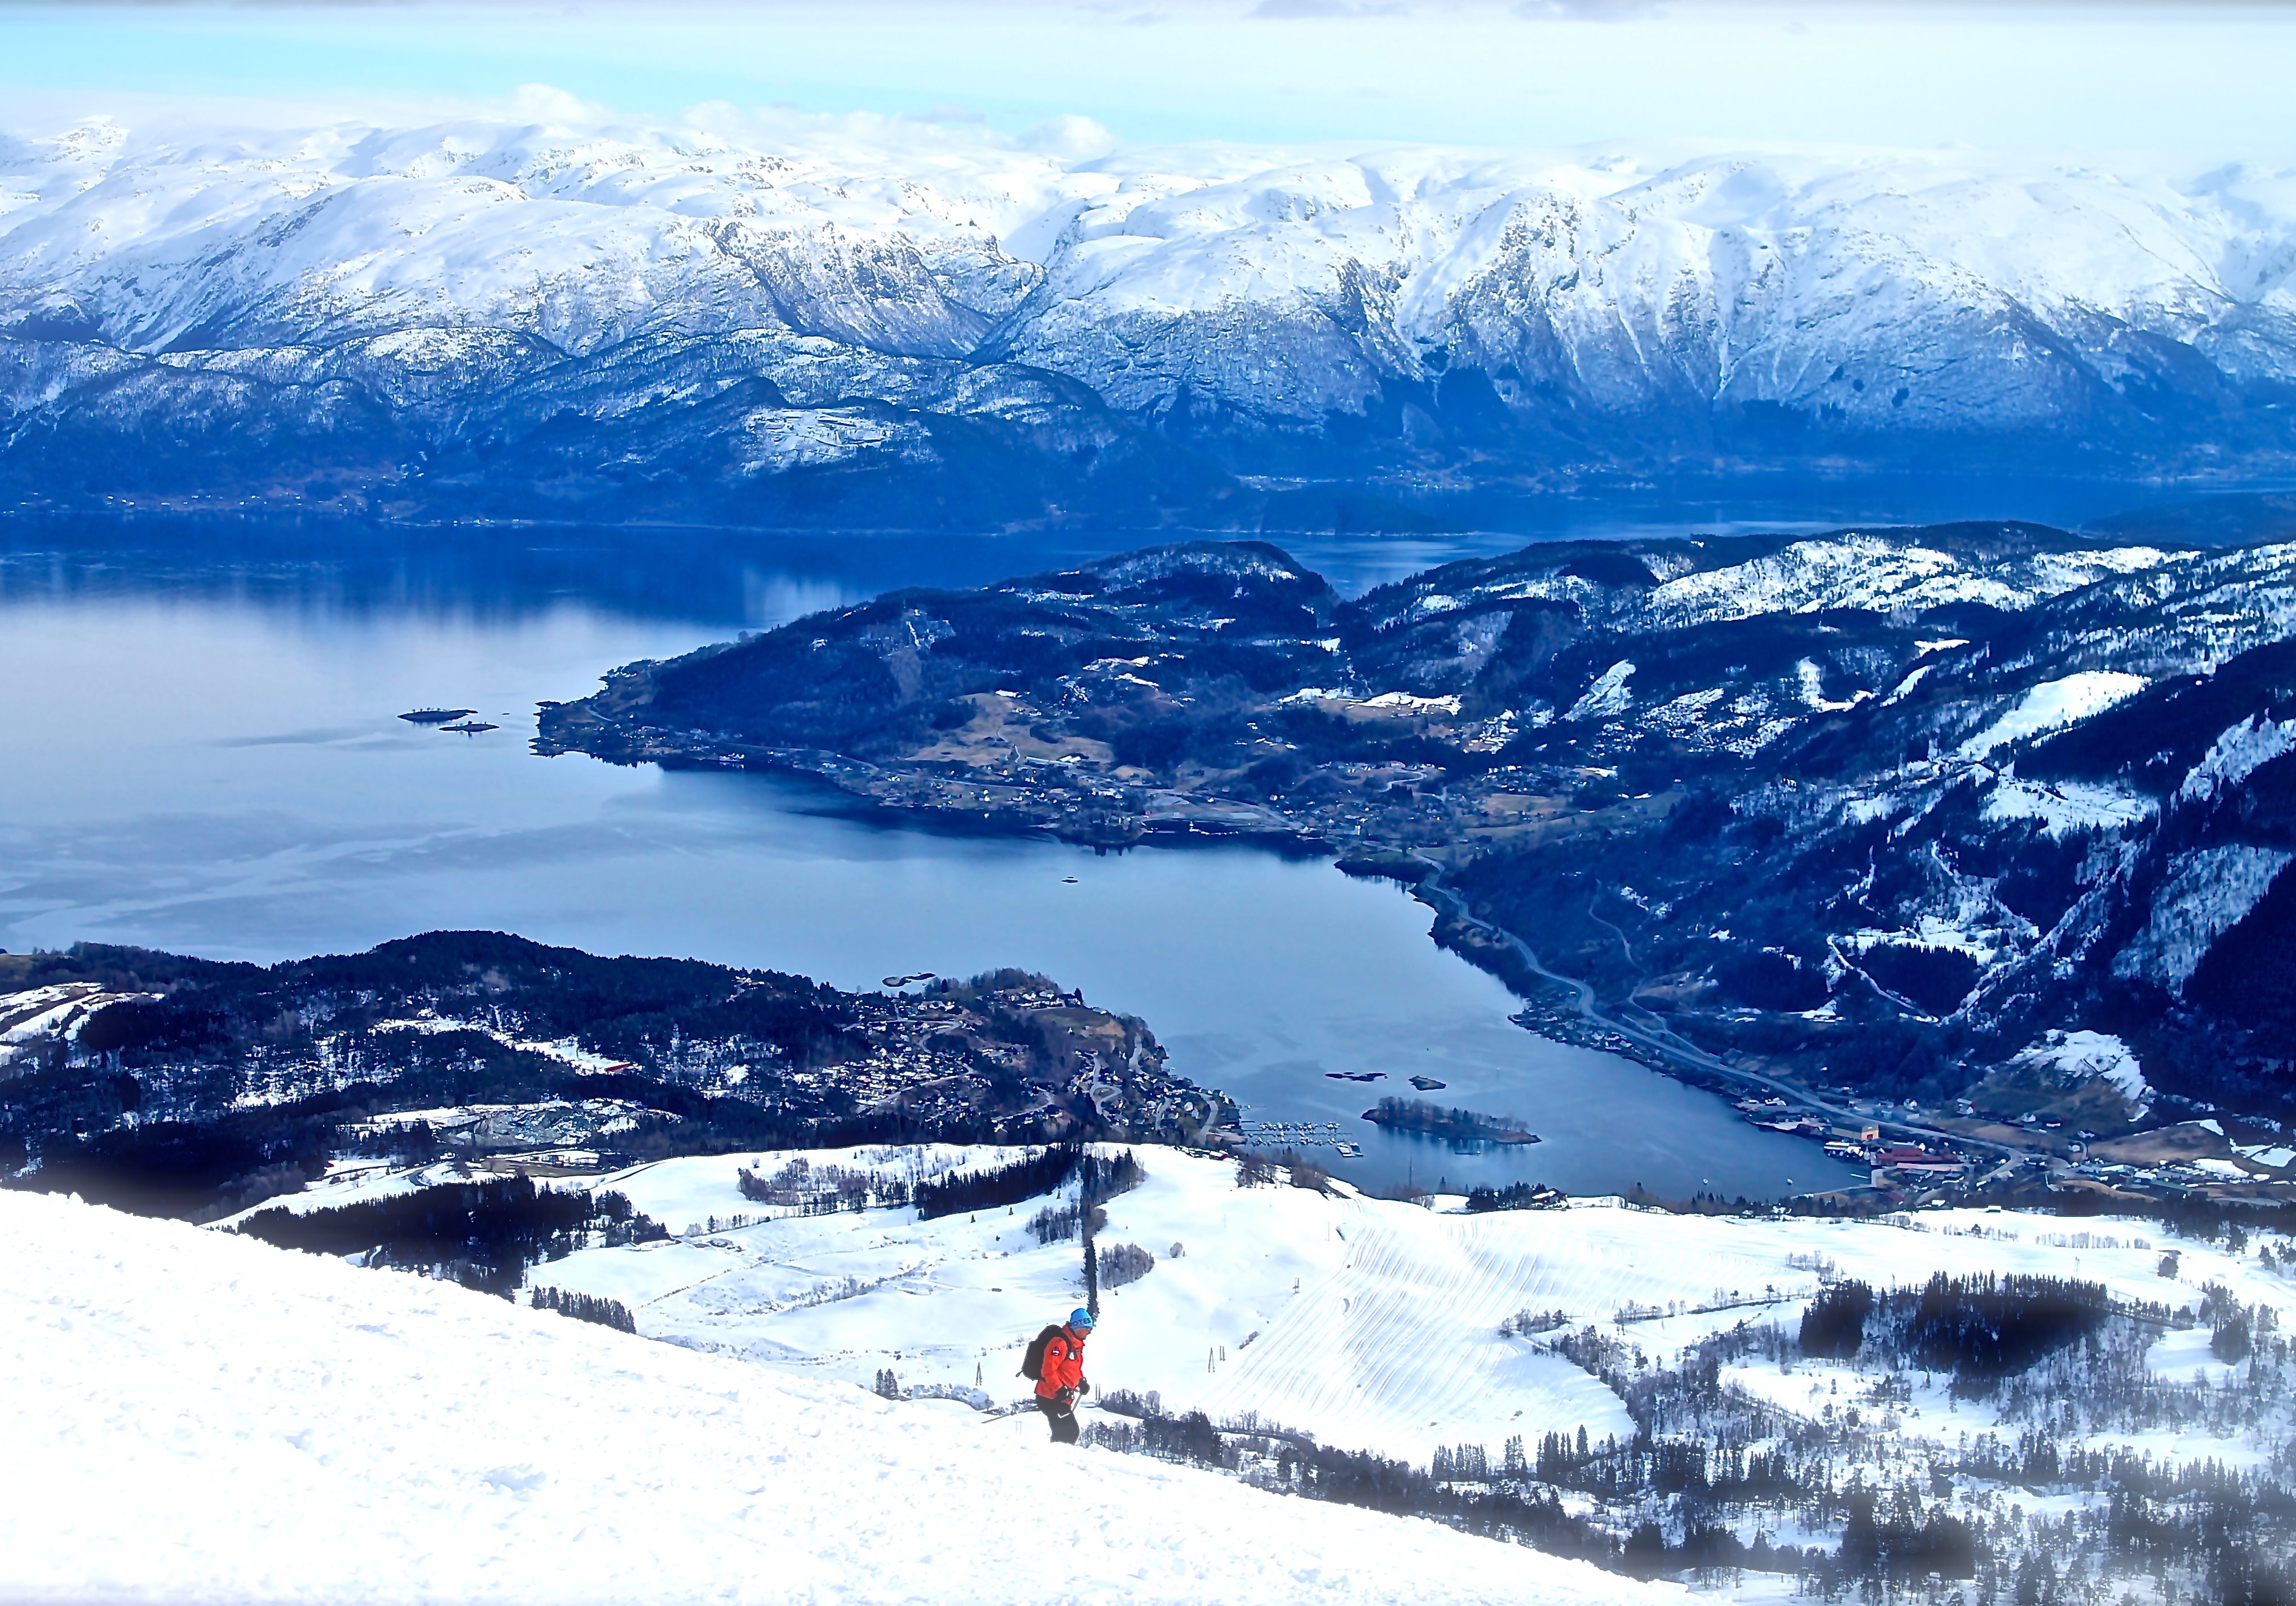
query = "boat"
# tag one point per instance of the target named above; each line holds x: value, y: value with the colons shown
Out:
x: 470, y: 727
x: 1067, y: 880
x: 1427, y: 1084
x: 436, y: 716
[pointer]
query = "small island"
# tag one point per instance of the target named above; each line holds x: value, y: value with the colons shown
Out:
x: 1458, y: 1126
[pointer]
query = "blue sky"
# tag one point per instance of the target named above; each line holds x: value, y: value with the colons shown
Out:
x: 2190, y: 80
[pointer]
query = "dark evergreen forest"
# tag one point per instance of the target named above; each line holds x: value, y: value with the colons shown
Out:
x: 483, y: 1234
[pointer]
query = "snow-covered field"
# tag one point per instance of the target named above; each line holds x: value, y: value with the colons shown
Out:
x: 2053, y: 704
x: 1371, y: 1323
x: 195, y: 1417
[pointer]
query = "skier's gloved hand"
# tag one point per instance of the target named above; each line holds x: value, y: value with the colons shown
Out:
x: 1084, y: 1385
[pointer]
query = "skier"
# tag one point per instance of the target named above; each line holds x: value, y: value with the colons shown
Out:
x: 1058, y: 1366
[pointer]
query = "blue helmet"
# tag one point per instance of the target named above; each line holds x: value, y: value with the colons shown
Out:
x: 1080, y: 1317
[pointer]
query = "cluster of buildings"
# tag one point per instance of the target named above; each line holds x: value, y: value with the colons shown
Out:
x: 1028, y: 1056
x: 1894, y: 1162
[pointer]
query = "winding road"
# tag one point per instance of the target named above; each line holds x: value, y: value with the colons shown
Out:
x: 1673, y: 1048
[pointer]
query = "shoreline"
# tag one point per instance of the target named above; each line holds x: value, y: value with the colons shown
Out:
x: 1565, y: 1009
x: 1490, y: 948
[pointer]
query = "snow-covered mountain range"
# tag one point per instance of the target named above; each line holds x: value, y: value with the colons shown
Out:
x: 843, y: 321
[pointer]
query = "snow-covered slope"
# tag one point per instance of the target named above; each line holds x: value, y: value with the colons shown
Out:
x: 196, y: 1417
x: 1371, y: 1323
x: 421, y: 291
x: 1380, y: 1324
x: 1679, y: 586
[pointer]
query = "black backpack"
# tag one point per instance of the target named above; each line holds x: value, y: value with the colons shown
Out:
x: 1032, y: 1365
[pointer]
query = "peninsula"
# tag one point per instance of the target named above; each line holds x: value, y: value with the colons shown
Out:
x: 1971, y: 834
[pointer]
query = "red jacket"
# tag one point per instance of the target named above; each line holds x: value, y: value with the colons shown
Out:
x: 1063, y: 1362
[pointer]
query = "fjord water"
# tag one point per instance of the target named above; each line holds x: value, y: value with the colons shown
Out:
x: 203, y: 754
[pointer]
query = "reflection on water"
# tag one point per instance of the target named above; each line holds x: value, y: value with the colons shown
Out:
x: 206, y: 756
x: 712, y: 581
x: 754, y: 579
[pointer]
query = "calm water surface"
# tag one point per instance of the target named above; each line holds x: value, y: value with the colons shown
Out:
x: 202, y: 753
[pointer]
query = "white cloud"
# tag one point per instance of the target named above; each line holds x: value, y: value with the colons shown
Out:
x: 1068, y: 139
x: 549, y: 103
x: 1289, y: 11
x: 1583, y: 11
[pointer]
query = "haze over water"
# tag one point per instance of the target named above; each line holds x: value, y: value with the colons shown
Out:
x: 204, y: 754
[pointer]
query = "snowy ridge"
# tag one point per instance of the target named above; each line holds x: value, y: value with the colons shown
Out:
x: 1854, y: 571
x: 2206, y: 892
x: 1705, y: 583
x: 1370, y: 1324
x: 285, y: 1428
x: 2188, y: 617
x: 2237, y: 753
